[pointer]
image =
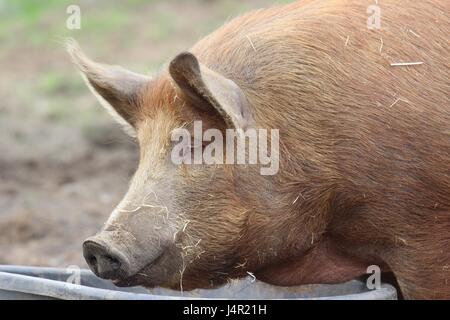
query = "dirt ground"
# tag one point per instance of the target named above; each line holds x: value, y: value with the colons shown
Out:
x: 64, y: 164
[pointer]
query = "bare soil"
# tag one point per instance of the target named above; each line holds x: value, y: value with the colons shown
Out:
x: 53, y: 197
x: 64, y: 164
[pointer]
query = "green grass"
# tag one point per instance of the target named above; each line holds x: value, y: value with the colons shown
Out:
x: 28, y: 11
x: 36, y: 22
x: 52, y: 89
x: 110, y: 20
x: 59, y: 83
x: 22, y: 17
x: 161, y: 26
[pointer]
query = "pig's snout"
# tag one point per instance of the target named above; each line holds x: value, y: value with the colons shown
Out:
x: 105, y: 260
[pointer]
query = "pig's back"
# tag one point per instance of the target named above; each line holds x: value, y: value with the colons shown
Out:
x: 317, y: 52
x: 314, y: 70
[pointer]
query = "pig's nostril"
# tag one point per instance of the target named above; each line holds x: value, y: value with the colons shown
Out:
x: 114, y: 262
x: 103, y: 260
x: 91, y: 260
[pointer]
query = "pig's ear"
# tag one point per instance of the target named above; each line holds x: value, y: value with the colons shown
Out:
x: 210, y: 91
x: 116, y: 88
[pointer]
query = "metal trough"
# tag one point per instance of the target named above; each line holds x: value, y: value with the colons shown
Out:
x: 22, y: 282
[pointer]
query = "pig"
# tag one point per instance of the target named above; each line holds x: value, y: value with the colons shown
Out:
x: 363, y: 113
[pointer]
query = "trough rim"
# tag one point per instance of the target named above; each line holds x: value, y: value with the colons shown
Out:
x: 11, y: 279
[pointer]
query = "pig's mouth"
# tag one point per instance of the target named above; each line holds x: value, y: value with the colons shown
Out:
x: 150, y: 275
x: 133, y: 280
x: 125, y: 282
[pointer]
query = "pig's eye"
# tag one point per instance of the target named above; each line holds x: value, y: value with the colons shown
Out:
x: 189, y: 150
x: 195, y: 146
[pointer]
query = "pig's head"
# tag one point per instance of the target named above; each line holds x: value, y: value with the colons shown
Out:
x: 178, y: 225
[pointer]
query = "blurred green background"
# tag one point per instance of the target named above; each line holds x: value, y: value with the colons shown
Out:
x: 141, y: 34
x: 64, y: 163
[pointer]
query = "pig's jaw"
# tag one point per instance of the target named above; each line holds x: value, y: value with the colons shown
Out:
x: 151, y: 277
x: 162, y: 271
x: 139, y: 279
x: 324, y: 263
